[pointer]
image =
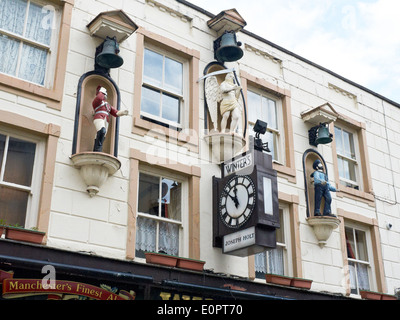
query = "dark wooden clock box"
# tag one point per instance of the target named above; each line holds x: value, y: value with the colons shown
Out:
x: 258, y: 232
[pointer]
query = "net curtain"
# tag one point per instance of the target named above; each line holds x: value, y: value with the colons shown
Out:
x: 29, y: 21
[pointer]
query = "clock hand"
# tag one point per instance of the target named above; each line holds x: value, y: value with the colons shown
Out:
x: 235, y: 199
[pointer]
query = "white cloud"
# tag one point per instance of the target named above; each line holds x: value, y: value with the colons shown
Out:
x: 359, y: 40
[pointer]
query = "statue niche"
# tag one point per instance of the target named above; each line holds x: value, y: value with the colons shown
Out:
x: 224, y: 114
x: 86, y: 130
x: 222, y: 97
x: 320, y: 219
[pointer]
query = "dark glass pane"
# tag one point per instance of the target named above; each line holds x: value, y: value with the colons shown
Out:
x: 13, y: 205
x: 149, y: 193
x: 153, y: 68
x: 19, y: 163
x: 171, y: 199
x: 173, y: 76
x: 171, y: 108
x: 150, y: 101
x: 2, y: 146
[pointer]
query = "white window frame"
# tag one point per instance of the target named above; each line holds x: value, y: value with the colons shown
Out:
x: 287, y: 249
x: 183, y: 236
x: 184, y: 112
x: 356, y: 162
x: 277, y: 133
x: 51, y: 49
x: 369, y: 263
x: 32, y: 211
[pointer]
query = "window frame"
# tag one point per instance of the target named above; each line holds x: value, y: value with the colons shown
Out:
x: 365, y: 191
x: 358, y: 176
x: 183, y: 97
x: 182, y: 224
x: 50, y: 134
x: 291, y: 203
x: 190, y: 175
x: 286, y: 245
x: 286, y: 167
x: 189, y: 133
x: 53, y: 95
x: 370, y: 225
x: 34, y: 191
x: 356, y: 261
x: 51, y: 49
x: 278, y: 136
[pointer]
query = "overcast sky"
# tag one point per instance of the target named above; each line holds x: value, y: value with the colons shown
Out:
x: 357, y: 39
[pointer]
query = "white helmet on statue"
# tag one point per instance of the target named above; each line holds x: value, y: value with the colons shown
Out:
x: 102, y: 90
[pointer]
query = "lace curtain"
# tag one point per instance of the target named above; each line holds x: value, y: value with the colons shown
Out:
x: 359, y: 271
x: 26, y: 20
x: 146, y: 236
x: 275, y: 261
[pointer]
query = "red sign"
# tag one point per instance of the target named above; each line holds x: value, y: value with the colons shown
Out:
x: 16, y: 288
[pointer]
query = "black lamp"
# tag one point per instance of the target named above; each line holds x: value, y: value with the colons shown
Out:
x: 260, y: 128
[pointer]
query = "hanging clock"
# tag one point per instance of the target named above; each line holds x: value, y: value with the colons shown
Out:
x: 237, y: 201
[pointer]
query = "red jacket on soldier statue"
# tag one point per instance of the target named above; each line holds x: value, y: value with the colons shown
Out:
x: 102, y: 111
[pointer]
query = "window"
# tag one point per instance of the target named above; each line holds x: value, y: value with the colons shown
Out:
x: 27, y: 40
x: 159, y: 215
x: 162, y: 90
x: 347, y: 158
x: 351, y: 160
x: 262, y: 106
x: 20, y: 160
x: 358, y: 259
x: 167, y: 85
x: 276, y: 260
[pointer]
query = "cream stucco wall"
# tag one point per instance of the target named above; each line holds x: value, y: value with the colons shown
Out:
x: 99, y: 225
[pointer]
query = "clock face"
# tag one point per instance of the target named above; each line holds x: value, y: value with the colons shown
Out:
x: 237, y: 201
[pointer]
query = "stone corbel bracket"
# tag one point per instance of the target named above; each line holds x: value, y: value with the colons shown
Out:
x: 95, y: 168
x: 323, y: 227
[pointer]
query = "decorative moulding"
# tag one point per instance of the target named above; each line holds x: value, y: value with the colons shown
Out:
x: 323, y: 227
x: 263, y: 54
x: 227, y: 20
x: 112, y: 24
x: 171, y: 11
x: 95, y: 168
x: 225, y: 146
x: 322, y: 114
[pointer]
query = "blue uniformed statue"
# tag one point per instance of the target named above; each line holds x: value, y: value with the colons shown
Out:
x: 322, y: 188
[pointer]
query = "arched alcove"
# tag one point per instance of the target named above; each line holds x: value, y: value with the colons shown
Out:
x: 85, y: 132
x: 308, y: 159
x: 95, y: 167
x: 215, y: 67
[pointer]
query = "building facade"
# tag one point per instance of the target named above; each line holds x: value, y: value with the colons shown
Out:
x: 156, y: 188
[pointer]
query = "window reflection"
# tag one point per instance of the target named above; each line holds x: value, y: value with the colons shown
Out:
x: 162, y: 88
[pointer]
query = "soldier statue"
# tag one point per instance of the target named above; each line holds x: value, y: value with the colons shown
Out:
x: 322, y: 189
x: 101, y: 118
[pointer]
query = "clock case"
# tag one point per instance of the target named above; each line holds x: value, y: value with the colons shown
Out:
x: 265, y: 224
